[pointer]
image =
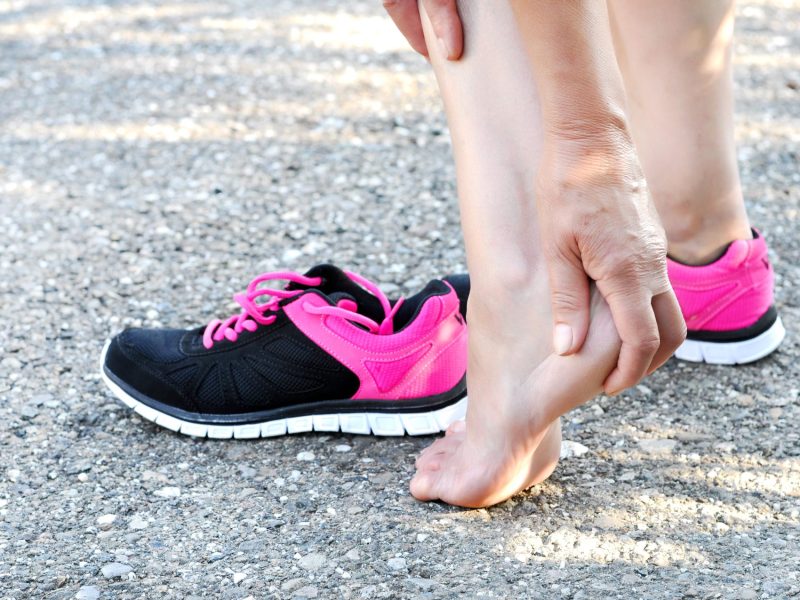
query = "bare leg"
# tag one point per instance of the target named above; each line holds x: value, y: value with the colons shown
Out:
x: 675, y: 56
x: 518, y: 388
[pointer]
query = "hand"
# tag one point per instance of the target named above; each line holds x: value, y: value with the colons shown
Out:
x: 597, y: 220
x: 444, y: 18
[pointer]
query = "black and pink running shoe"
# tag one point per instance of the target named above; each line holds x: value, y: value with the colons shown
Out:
x: 729, y: 305
x: 327, y: 352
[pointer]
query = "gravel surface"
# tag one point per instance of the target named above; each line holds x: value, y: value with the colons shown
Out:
x: 154, y: 156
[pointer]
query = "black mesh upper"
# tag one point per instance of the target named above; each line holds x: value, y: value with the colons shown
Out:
x: 159, y: 345
x: 274, y: 366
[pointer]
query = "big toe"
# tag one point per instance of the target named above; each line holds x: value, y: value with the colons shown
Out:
x: 459, y: 426
x: 426, y: 483
x: 423, y: 485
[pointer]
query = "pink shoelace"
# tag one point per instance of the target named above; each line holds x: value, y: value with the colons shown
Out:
x: 254, y: 314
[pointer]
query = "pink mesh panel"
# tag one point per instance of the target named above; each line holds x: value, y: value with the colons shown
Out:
x: 436, y: 327
x: 388, y: 373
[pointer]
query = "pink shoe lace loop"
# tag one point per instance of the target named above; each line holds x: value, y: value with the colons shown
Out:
x: 254, y: 314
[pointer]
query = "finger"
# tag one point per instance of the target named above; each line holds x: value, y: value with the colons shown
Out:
x: 569, y: 291
x: 638, y: 329
x: 405, y: 14
x: 671, y: 327
x: 447, y: 27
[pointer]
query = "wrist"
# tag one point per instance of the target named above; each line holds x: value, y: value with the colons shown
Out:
x: 595, y: 149
x: 596, y: 124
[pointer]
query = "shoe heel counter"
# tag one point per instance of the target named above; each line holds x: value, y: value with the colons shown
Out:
x: 754, y: 297
x: 445, y: 365
x: 761, y: 275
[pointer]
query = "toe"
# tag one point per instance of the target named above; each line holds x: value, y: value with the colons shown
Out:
x: 430, y: 448
x: 456, y: 427
x: 429, y: 454
x: 423, y: 485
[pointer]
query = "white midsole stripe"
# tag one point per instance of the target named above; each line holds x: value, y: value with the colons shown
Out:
x: 380, y: 424
x: 733, y: 353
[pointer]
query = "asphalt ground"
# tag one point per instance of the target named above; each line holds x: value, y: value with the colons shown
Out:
x: 154, y: 156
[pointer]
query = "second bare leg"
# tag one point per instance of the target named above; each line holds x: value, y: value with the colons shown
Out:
x: 675, y: 56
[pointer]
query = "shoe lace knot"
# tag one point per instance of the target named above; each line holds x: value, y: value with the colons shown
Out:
x: 254, y: 313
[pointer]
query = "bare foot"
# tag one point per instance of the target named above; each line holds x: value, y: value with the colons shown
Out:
x: 517, y: 388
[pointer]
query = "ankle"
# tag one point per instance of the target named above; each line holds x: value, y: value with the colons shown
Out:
x: 508, y: 295
x: 703, y: 240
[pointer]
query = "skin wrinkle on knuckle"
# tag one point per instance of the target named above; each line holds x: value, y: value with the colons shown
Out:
x: 562, y: 249
x: 647, y: 345
x: 628, y: 298
x: 566, y: 301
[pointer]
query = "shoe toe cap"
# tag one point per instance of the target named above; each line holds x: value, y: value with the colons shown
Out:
x: 139, y: 360
x: 156, y: 345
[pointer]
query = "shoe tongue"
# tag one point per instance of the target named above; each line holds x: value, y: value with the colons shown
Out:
x: 336, y: 285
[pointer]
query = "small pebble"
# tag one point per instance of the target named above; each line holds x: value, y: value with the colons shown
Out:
x: 88, y: 592
x: 308, y: 591
x: 168, y: 492
x: 608, y: 521
x: 28, y: 411
x: 115, y: 569
x: 306, y: 456
x: 105, y: 522
x: 571, y: 449
x: 657, y: 447
x: 312, y: 562
x: 137, y: 522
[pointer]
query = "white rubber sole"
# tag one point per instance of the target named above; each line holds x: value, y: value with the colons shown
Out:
x: 382, y: 424
x: 733, y: 353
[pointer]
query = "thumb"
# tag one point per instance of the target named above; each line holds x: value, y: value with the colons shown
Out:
x: 446, y: 25
x: 569, y: 291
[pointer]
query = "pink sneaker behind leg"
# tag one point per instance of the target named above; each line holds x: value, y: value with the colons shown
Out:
x: 728, y: 305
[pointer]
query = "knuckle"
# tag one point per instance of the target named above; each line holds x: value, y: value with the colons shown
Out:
x: 567, y: 301
x: 620, y: 294
x: 560, y: 250
x: 391, y: 5
x: 647, y: 345
x: 676, y: 335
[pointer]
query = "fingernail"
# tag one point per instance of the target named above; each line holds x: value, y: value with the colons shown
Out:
x: 562, y: 338
x: 444, y: 47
